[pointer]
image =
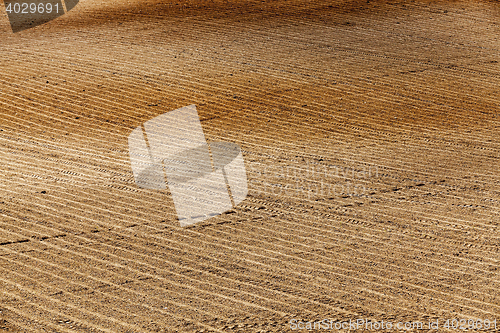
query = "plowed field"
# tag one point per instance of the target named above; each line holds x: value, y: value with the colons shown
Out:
x: 371, y: 137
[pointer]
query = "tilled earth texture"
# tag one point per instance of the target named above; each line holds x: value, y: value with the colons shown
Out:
x: 370, y: 132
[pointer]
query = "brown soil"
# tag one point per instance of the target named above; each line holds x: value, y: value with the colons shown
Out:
x: 312, y: 91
